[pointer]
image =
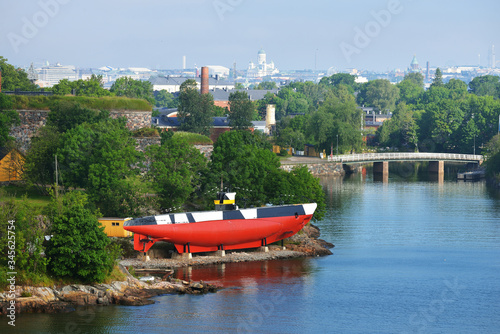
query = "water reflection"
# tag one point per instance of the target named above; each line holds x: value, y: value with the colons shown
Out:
x: 247, y: 274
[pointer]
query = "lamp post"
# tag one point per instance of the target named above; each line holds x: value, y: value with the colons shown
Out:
x: 337, y: 144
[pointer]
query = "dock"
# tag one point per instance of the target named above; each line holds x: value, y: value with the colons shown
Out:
x: 471, y: 176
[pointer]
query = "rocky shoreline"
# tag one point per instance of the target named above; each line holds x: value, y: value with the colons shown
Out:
x: 131, y: 292
x: 134, y: 292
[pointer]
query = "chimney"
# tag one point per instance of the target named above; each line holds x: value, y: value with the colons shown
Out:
x: 204, y: 80
x: 270, y: 117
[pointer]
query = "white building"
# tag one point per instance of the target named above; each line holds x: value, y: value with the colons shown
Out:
x: 173, y: 84
x: 262, y: 68
x: 49, y: 76
x: 218, y: 71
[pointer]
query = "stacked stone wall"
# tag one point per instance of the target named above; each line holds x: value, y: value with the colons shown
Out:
x: 32, y: 120
x: 135, y: 119
x: 206, y: 150
x: 142, y: 143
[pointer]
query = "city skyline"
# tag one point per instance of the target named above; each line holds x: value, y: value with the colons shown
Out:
x: 368, y: 35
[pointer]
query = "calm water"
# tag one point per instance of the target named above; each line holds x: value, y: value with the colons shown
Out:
x: 410, y: 257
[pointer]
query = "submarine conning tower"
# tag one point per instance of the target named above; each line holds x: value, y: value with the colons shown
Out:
x: 225, y: 201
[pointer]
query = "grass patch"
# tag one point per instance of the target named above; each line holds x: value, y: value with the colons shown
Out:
x: 19, y: 193
x: 194, y: 138
x: 115, y: 275
x: 101, y: 103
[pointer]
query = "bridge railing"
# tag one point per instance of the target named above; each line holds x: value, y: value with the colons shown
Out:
x: 372, y: 157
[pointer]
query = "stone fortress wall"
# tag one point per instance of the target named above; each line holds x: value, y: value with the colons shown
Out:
x: 32, y: 120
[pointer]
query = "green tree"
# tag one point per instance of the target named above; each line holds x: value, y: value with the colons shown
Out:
x: 39, y: 165
x: 243, y: 160
x: 78, y: 247
x: 195, y: 110
x: 63, y: 87
x: 242, y: 110
x: 485, y: 85
x: 493, y: 157
x: 239, y: 85
x: 338, y: 117
x: 246, y: 164
x: 8, y: 118
x: 341, y: 79
x: 401, y: 130
x: 137, y: 89
x: 15, y: 78
x: 174, y: 171
x: 291, y: 138
x: 416, y: 78
x: 438, y: 78
x: 65, y: 115
x: 457, y: 89
x: 165, y: 99
x: 98, y: 157
x: 380, y: 94
x: 30, y: 228
x: 92, y: 87
x: 266, y: 85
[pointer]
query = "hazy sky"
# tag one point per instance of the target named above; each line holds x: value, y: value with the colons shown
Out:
x: 365, y: 34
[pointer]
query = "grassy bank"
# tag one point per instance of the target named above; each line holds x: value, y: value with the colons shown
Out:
x: 102, y: 103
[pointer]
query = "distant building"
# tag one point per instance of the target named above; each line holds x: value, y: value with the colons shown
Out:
x: 262, y: 68
x: 49, y: 76
x: 173, y: 84
x: 221, y: 97
x: 414, y: 66
x: 218, y: 71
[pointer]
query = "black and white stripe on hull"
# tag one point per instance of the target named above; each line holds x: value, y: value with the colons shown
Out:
x: 252, y: 213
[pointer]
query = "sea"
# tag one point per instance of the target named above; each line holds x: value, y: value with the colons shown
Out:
x: 411, y: 255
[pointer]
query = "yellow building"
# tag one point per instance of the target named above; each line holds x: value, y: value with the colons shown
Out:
x: 11, y: 162
x: 113, y: 227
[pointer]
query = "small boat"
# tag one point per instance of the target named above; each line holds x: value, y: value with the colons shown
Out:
x: 226, y: 228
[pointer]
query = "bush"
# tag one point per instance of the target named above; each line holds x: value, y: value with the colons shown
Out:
x: 145, y: 132
x: 78, y: 248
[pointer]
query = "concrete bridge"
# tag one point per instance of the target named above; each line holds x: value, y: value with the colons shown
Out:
x: 381, y: 160
x: 381, y: 157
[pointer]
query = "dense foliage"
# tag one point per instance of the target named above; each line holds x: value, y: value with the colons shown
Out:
x: 29, y: 228
x: 242, y: 110
x: 8, y: 118
x: 174, y: 170
x: 136, y: 89
x: 15, y: 78
x: 78, y: 246
x: 103, y: 103
x: 245, y: 163
x: 195, y: 109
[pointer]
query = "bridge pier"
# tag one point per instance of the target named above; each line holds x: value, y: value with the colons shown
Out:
x: 381, y: 171
x: 436, y: 167
x: 436, y: 170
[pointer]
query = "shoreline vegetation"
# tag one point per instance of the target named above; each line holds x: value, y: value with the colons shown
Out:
x: 135, y: 292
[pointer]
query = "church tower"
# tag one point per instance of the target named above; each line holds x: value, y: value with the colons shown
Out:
x: 261, y: 56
